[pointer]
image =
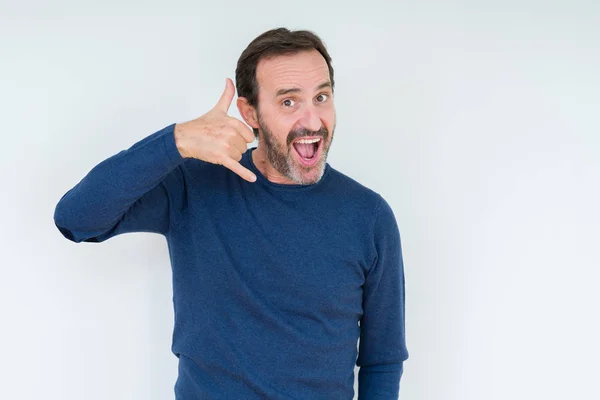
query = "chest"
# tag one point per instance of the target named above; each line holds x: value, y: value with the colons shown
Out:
x: 292, y: 259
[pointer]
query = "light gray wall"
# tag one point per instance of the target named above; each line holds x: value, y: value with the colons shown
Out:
x: 477, y: 121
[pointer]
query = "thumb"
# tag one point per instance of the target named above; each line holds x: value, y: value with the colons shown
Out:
x: 227, y: 97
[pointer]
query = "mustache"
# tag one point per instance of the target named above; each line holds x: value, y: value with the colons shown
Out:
x: 299, y: 133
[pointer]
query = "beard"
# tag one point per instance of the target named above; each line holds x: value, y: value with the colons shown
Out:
x: 281, y: 156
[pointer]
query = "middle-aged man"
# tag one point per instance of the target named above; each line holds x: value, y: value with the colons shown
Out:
x: 277, y: 257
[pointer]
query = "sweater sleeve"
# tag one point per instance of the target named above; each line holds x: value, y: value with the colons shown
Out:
x: 382, y: 345
x: 124, y: 193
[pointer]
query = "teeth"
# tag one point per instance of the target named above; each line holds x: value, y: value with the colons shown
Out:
x: 308, y: 140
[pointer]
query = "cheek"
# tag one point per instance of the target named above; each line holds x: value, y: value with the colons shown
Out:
x: 328, y: 118
x: 280, y: 127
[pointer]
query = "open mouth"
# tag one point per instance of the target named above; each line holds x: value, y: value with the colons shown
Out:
x: 308, y: 150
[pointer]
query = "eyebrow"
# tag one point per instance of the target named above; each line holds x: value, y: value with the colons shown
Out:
x: 283, y: 91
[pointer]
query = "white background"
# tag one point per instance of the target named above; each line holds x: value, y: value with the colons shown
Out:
x: 477, y: 121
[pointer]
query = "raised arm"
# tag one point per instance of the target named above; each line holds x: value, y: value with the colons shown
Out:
x: 123, y: 193
x: 127, y: 192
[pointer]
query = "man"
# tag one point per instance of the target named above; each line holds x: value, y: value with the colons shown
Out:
x: 276, y: 256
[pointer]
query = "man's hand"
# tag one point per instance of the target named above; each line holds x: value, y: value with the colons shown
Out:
x: 216, y: 137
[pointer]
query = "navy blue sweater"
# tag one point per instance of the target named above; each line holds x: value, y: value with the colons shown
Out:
x: 273, y: 284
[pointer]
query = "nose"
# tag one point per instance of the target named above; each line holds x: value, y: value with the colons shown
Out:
x: 311, y: 119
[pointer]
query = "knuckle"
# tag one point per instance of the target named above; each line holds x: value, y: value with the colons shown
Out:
x: 226, y: 146
x: 220, y: 159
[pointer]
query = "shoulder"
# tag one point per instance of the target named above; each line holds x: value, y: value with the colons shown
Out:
x: 372, y: 212
x: 354, y: 191
x: 365, y: 201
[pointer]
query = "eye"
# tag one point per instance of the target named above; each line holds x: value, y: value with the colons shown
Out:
x: 288, y: 102
x: 323, y: 96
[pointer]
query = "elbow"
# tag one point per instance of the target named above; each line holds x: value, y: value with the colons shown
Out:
x: 60, y: 212
x: 75, y: 236
x: 62, y: 223
x: 66, y: 223
x: 67, y: 233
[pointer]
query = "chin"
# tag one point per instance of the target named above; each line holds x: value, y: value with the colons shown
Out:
x: 306, y: 175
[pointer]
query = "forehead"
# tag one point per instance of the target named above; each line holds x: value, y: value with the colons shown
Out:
x: 304, y: 70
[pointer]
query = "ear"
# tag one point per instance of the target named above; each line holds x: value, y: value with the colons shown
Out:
x: 247, y: 112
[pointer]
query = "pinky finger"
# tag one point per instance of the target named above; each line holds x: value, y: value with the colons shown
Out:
x: 239, y: 169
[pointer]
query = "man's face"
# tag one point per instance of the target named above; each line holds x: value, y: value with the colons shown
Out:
x: 296, y: 114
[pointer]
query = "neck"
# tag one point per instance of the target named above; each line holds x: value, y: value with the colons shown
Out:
x: 259, y: 158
